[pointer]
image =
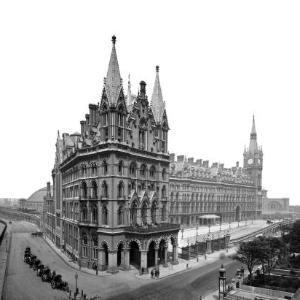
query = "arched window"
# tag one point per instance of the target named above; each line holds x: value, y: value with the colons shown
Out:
x: 133, y: 213
x: 132, y: 169
x: 144, y: 213
x: 152, y: 172
x: 84, y: 239
x: 84, y: 193
x: 104, y: 215
x: 164, y: 192
x: 84, y: 214
x: 104, y: 167
x: 154, y: 212
x: 95, y: 215
x: 164, y: 174
x: 104, y: 190
x: 94, y: 190
x: 120, y: 167
x: 143, y: 170
x: 164, y: 212
x: 121, y: 190
x: 121, y: 215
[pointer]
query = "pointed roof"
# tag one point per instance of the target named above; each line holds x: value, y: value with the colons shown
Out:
x: 253, y: 138
x: 253, y: 130
x: 113, y: 81
x: 157, y: 103
x: 129, y: 98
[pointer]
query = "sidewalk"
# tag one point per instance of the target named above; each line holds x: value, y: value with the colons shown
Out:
x: 185, y: 265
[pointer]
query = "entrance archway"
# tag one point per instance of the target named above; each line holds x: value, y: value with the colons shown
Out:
x: 151, y: 255
x: 238, y: 214
x: 120, y: 254
x: 135, y: 255
x: 104, y: 259
x: 162, y: 252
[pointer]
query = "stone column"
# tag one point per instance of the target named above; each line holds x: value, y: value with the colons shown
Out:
x: 155, y: 256
x: 175, y: 255
x: 125, y: 260
x: 208, y: 245
x: 112, y: 262
x: 165, y: 256
x: 144, y: 266
x: 101, y: 259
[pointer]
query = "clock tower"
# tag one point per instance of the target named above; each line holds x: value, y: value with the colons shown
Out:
x: 253, y: 159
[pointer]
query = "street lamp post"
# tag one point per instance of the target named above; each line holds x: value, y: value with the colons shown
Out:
x: 76, y: 278
x: 222, y: 282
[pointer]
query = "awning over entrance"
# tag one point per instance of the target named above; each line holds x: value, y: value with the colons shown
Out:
x: 209, y: 217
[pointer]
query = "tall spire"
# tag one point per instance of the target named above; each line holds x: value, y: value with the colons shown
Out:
x: 157, y: 103
x: 129, y: 98
x: 113, y: 81
x: 253, y: 138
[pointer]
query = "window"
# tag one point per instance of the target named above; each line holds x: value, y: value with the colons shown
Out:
x: 143, y: 170
x: 144, y: 213
x: 105, y: 168
x: 152, y: 172
x: 94, y: 194
x: 120, y: 167
x: 84, y: 193
x: 132, y: 169
x: 104, y: 190
x: 164, y: 212
x: 121, y: 190
x: 153, y: 212
x: 163, y: 174
x: 120, y: 215
x: 104, y: 215
x: 133, y: 213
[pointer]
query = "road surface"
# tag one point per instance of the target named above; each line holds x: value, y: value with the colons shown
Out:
x: 22, y: 283
x: 188, y: 285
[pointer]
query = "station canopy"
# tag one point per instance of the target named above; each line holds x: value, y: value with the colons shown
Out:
x: 209, y: 217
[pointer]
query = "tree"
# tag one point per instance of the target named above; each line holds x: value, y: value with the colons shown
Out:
x: 248, y: 254
x: 269, y: 249
x: 294, y: 237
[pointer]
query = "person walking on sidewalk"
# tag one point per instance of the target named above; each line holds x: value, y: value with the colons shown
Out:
x: 152, y: 273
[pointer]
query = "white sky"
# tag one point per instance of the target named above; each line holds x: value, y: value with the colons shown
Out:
x: 220, y: 62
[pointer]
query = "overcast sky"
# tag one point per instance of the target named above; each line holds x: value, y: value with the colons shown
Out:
x: 220, y: 62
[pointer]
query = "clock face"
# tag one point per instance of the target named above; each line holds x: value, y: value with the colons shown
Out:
x: 250, y: 161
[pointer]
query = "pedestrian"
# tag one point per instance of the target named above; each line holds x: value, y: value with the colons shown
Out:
x: 152, y: 273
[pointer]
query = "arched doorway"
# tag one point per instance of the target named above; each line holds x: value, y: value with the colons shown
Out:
x: 162, y: 252
x: 120, y: 254
x: 135, y: 255
x: 238, y: 214
x: 151, y: 255
x: 104, y: 257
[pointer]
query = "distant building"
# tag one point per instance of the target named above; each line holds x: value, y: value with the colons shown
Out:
x: 295, y: 211
x: 199, y: 191
x: 275, y: 207
x: 35, y: 201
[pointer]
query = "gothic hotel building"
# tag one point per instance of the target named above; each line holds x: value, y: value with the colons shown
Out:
x: 118, y: 196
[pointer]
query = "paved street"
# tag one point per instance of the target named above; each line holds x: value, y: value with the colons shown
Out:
x: 22, y: 283
x: 189, y: 285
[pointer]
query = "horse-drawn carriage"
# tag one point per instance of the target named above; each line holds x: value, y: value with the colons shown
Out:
x: 46, y: 274
x: 37, y: 233
x: 36, y: 264
x: 58, y: 283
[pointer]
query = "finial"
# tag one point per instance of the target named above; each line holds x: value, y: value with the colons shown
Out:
x: 113, y: 39
x: 157, y: 69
